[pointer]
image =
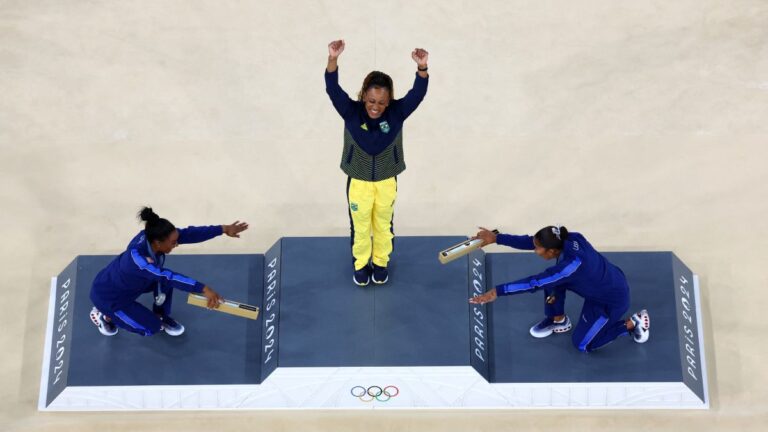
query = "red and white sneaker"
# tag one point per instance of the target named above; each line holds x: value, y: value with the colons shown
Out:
x: 105, y: 327
x: 642, y: 321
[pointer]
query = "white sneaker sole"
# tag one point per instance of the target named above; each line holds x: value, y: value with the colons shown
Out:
x: 643, y: 338
x: 358, y: 283
x: 380, y: 283
x: 177, y: 332
x: 541, y: 335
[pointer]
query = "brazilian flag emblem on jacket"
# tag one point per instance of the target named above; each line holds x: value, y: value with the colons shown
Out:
x: 353, y: 206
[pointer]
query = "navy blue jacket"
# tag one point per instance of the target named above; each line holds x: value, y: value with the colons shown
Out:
x: 139, y: 270
x: 580, y: 268
x: 366, y: 131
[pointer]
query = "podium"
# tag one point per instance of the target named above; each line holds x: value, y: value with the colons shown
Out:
x: 322, y: 342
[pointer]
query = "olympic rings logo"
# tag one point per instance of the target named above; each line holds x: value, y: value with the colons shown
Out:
x: 374, y: 392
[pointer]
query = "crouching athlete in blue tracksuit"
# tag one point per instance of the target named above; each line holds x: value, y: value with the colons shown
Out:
x: 581, y: 269
x: 140, y: 270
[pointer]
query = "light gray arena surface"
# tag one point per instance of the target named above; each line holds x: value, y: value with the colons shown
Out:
x: 641, y: 125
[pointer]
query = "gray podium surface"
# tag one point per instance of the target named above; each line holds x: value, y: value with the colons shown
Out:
x: 519, y: 357
x: 214, y: 348
x: 418, y: 318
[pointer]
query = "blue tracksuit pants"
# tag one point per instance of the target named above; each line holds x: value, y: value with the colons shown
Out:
x: 596, y: 326
x: 136, y: 318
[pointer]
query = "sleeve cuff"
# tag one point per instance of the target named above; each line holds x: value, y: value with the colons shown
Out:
x: 331, y: 79
x: 199, y: 287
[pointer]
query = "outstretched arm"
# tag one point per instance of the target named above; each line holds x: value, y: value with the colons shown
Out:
x: 146, y: 269
x: 486, y: 297
x: 524, y: 242
x: 415, y: 95
x: 234, y: 229
x: 194, y: 234
x: 421, y: 57
x: 553, y: 277
x: 199, y: 234
x: 339, y: 97
x: 335, y: 49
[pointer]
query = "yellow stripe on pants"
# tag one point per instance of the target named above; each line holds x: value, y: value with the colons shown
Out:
x: 371, y: 206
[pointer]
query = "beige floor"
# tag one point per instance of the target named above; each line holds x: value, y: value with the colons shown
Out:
x: 641, y: 124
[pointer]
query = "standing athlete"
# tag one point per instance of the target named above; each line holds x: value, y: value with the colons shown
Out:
x: 372, y: 158
x: 581, y: 269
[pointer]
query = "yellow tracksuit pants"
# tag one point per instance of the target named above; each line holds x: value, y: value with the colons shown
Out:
x: 371, y: 209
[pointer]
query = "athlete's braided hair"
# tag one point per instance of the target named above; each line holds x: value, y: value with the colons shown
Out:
x: 377, y: 79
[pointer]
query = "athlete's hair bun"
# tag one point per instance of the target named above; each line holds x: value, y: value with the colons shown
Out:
x: 156, y: 228
x: 147, y: 215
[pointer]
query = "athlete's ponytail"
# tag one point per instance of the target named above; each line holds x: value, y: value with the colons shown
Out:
x: 155, y: 228
x: 552, y: 237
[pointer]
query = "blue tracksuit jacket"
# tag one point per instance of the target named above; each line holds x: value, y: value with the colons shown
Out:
x: 580, y: 268
x: 138, y: 270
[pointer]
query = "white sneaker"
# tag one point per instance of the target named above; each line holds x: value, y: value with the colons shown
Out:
x: 547, y: 326
x: 379, y: 275
x: 105, y: 327
x: 642, y: 331
x: 171, y: 326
